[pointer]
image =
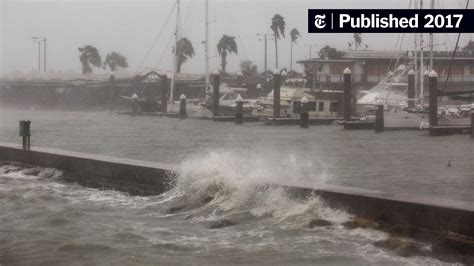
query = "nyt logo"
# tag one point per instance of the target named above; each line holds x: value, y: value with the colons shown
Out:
x: 320, y: 21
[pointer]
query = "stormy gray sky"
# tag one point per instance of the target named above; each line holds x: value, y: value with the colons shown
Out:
x: 130, y: 27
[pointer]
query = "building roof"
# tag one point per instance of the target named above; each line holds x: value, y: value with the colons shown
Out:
x: 352, y: 56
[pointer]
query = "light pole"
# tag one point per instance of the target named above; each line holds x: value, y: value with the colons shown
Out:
x: 265, y: 39
x: 310, y: 46
x: 39, y: 54
x: 39, y: 40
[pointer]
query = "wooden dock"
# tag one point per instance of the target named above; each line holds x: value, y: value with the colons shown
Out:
x: 270, y: 121
x: 449, y: 130
x: 231, y: 118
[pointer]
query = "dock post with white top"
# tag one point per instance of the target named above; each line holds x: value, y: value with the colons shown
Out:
x: 347, y: 96
x: 433, y: 99
x: 276, y: 93
x: 239, y: 110
x: 411, y: 89
x: 182, y: 107
x: 216, y: 94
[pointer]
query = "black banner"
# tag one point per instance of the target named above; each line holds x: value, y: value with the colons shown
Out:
x: 390, y: 20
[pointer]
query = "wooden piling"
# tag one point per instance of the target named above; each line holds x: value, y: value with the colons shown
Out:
x: 472, y: 122
x: 304, y: 116
x: 134, y: 104
x: 433, y: 99
x: 112, y: 95
x: 347, y: 95
x: 239, y: 110
x: 164, y: 93
x: 25, y: 133
x: 411, y: 89
x: 276, y: 93
x: 379, y: 121
x: 216, y: 95
x: 182, y: 107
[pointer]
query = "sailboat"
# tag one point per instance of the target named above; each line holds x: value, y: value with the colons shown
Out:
x: 196, y: 107
x: 392, y: 93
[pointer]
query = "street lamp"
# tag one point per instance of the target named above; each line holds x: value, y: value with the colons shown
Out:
x: 39, y: 40
x: 310, y: 46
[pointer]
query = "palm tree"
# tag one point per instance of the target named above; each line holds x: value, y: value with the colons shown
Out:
x: 226, y: 46
x: 357, y: 40
x: 89, y: 56
x: 278, y: 28
x: 114, y: 60
x: 184, y: 51
x: 294, y: 34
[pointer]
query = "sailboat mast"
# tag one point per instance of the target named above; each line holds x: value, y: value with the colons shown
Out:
x: 176, y: 52
x: 206, y: 48
x: 422, y: 67
x: 431, y: 42
x: 416, y: 59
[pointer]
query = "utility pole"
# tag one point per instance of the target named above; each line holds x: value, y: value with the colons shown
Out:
x: 39, y: 40
x: 177, y: 36
x: 310, y: 46
x: 44, y: 68
x: 265, y: 39
x: 206, y: 46
x: 39, y: 53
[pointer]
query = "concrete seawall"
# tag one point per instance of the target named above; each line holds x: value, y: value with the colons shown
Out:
x: 132, y: 176
x: 147, y: 178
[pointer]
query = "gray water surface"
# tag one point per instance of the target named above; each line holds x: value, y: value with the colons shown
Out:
x: 45, y: 220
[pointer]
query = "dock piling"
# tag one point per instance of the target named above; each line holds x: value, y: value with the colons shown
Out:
x: 112, y: 94
x: 472, y: 121
x: 182, y: 107
x: 276, y: 93
x: 216, y: 93
x: 164, y: 93
x: 433, y: 99
x: 25, y: 133
x: 411, y: 89
x: 134, y: 104
x: 379, y: 121
x: 239, y: 110
x: 304, y: 116
x: 347, y: 96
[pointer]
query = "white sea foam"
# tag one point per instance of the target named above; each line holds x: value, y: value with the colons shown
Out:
x: 240, y: 182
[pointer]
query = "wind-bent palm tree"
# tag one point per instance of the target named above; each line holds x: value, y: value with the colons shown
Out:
x: 226, y: 46
x: 278, y: 28
x: 184, y: 51
x: 89, y: 56
x: 114, y: 60
x: 357, y: 40
x: 294, y: 34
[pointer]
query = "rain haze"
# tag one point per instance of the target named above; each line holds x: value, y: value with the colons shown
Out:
x: 131, y: 27
x: 180, y: 132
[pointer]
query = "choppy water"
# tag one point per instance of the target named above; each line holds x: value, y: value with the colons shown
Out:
x: 45, y: 220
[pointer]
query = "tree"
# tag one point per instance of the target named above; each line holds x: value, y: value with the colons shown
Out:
x: 294, y: 34
x: 89, y: 56
x: 226, y: 46
x: 329, y: 53
x: 357, y: 40
x: 278, y: 28
x: 114, y: 60
x: 184, y: 50
x: 248, y: 69
x: 469, y: 48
